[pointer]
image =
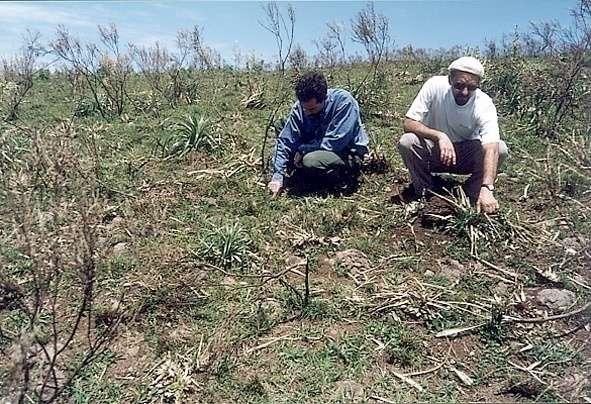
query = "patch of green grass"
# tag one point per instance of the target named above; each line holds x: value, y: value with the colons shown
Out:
x: 458, y: 250
x: 403, y: 345
x: 310, y: 371
x: 116, y: 268
x: 15, y: 263
x: 492, y: 364
x: 558, y: 352
x: 475, y: 284
x: 319, y: 309
x: 446, y: 392
x: 351, y: 350
x: 91, y: 386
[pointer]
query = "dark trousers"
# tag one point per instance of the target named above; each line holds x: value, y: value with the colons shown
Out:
x: 421, y: 157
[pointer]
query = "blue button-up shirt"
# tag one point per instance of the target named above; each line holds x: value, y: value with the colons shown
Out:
x: 336, y: 128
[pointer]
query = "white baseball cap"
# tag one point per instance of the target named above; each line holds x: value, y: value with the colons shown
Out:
x: 467, y: 64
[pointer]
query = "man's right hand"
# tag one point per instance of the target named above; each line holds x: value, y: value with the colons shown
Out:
x: 275, y: 187
x: 447, y: 154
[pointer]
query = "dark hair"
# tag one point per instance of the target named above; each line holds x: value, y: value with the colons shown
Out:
x: 311, y: 85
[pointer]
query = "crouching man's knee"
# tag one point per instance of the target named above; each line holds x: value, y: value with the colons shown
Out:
x: 322, y: 160
x: 407, y: 142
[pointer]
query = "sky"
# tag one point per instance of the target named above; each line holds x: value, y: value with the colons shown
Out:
x: 230, y: 25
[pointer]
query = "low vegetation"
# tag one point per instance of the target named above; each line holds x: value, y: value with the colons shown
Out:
x: 142, y: 260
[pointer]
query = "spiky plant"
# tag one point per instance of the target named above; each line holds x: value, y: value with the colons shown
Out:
x: 191, y: 132
x: 226, y: 246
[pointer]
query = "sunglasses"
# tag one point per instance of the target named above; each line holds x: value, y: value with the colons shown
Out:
x: 462, y: 86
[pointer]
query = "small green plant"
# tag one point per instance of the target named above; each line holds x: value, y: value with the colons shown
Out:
x: 493, y: 329
x: 84, y: 107
x: 192, y: 132
x: 226, y: 246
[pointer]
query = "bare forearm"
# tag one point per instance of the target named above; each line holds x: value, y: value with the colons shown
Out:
x: 420, y: 129
x: 491, y: 159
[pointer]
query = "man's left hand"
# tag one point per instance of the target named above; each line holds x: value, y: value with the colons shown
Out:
x: 486, y: 201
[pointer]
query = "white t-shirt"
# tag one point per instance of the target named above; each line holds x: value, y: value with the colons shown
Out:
x: 436, y: 107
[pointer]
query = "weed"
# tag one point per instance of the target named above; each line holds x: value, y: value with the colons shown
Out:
x: 89, y: 388
x: 351, y: 349
x: 494, y: 330
x: 84, y: 107
x: 189, y: 133
x: 254, y: 388
x: 482, y: 231
x: 492, y: 364
x: 318, y: 309
x: 227, y: 246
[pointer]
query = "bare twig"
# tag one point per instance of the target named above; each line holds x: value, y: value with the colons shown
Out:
x: 545, y: 319
x: 408, y: 380
x: 496, y: 268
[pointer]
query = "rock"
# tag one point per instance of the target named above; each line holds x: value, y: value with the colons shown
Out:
x: 500, y: 289
x: 352, y: 259
x: 295, y: 261
x: 229, y: 280
x: 428, y: 272
x: 451, y: 269
x: 574, y: 245
x: 557, y: 299
x: 349, y: 391
x: 119, y: 249
x: 325, y: 264
x: 116, y: 221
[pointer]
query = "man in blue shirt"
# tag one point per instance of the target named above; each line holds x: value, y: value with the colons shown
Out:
x: 323, y: 131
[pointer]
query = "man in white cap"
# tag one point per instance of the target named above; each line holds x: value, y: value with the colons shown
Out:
x: 452, y: 127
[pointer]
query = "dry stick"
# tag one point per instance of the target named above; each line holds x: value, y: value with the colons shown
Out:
x: 579, y: 283
x: 266, y: 344
x: 569, y: 332
x: 382, y: 399
x: 549, y: 318
x: 408, y: 380
x: 426, y: 371
x: 496, y: 268
x: 526, y: 370
x: 495, y: 277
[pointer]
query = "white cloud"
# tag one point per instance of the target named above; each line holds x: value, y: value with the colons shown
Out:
x: 25, y: 14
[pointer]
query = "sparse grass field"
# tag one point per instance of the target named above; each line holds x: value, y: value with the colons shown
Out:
x: 206, y: 273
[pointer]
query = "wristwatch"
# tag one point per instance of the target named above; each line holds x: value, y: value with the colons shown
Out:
x: 490, y: 187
